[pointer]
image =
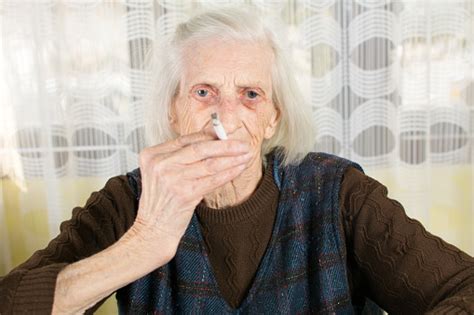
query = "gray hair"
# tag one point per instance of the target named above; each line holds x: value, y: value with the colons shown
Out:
x: 294, y: 134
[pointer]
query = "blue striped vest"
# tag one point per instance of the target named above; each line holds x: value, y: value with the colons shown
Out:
x: 303, y: 269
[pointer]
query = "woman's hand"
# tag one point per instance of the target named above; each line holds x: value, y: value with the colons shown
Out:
x: 175, y: 177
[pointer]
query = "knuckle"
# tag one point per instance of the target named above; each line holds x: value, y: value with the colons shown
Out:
x: 167, y: 143
x: 197, y: 149
x: 180, y: 142
x: 210, y: 166
x: 229, y: 146
x: 182, y: 195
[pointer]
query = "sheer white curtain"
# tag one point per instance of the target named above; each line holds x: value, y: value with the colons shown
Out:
x: 391, y: 84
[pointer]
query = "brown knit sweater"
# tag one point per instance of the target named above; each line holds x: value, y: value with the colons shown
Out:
x: 432, y: 275
x: 236, y: 238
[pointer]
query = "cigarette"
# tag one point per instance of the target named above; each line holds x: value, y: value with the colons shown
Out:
x: 218, y: 128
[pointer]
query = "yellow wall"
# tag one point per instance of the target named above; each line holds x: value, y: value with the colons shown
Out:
x: 24, y: 218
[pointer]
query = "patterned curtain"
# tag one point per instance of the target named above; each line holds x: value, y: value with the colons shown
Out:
x: 391, y: 83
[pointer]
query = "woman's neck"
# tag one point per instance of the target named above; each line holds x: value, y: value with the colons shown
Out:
x: 238, y: 190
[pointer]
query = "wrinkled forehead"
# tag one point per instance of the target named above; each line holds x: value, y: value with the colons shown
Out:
x: 216, y: 60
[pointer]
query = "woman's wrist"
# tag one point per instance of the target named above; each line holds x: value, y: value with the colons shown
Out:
x: 109, y: 270
x: 149, y: 244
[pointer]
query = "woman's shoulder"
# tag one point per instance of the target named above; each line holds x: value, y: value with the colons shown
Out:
x: 119, y: 191
x: 118, y: 186
x: 325, y: 162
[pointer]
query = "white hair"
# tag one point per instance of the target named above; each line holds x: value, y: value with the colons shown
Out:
x: 294, y: 133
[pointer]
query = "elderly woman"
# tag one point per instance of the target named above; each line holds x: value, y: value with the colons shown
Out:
x: 254, y: 224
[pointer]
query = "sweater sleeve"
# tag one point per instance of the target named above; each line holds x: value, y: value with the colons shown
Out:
x: 394, y: 261
x: 29, y: 288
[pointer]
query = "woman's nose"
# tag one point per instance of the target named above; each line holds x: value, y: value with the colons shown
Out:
x: 228, y: 111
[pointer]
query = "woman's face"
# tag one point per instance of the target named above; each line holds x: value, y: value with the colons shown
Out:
x: 232, y: 79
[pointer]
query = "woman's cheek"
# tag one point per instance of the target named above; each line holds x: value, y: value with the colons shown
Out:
x: 262, y: 121
x: 254, y: 124
x: 264, y: 116
x: 193, y: 118
x: 252, y: 105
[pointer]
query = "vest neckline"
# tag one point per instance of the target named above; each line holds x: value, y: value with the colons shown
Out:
x: 262, y: 269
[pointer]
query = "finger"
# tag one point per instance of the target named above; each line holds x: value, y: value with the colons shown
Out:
x: 213, y: 166
x: 205, y: 185
x: 199, y: 151
x: 203, y: 135
x: 168, y: 147
x: 182, y: 141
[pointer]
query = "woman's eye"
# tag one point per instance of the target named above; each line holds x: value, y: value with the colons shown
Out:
x: 202, y: 92
x: 252, y: 94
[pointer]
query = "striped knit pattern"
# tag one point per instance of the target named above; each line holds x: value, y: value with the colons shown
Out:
x: 303, y: 270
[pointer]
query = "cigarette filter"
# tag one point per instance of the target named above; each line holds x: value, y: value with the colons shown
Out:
x: 218, y: 128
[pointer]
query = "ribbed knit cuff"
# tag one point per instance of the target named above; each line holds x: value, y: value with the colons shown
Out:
x: 35, y: 292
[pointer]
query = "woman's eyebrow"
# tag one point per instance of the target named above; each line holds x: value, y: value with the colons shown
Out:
x: 205, y: 82
x: 255, y: 85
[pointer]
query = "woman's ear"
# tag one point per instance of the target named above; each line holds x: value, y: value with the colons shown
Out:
x: 273, y: 123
